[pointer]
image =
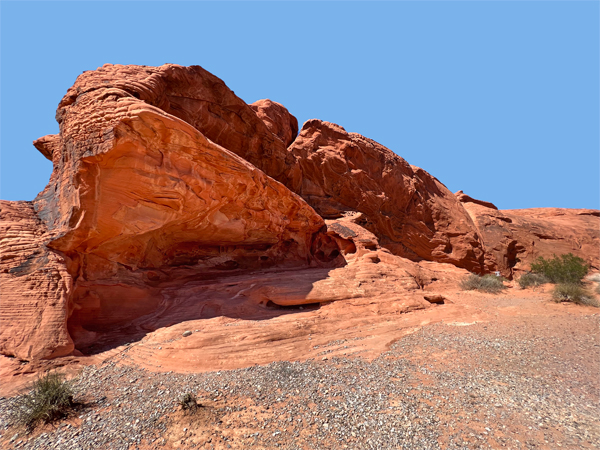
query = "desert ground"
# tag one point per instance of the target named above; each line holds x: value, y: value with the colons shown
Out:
x: 513, y: 370
x: 303, y: 283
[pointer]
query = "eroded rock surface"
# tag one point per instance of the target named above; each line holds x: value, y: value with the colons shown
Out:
x: 172, y: 200
x: 139, y: 197
x: 198, y: 98
x: 515, y: 238
x: 412, y: 213
x: 36, y: 287
x: 371, y: 275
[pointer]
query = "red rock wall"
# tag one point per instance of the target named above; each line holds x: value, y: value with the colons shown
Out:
x: 412, y: 213
x: 36, y: 287
x: 515, y: 238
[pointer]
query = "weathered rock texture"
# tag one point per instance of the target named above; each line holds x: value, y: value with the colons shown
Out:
x: 412, y: 213
x: 36, y: 287
x: 515, y: 238
x: 172, y: 200
x: 198, y: 98
x: 143, y: 189
x: 277, y: 119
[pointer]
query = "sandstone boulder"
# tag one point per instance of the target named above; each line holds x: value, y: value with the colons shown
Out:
x: 140, y: 188
x: 138, y: 198
x: 198, y: 98
x: 412, y: 214
x: 277, y: 119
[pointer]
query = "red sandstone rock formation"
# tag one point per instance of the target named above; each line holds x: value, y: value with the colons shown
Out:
x: 412, y: 213
x: 515, y: 238
x: 172, y: 200
x: 198, y: 98
x: 36, y: 287
x: 278, y: 119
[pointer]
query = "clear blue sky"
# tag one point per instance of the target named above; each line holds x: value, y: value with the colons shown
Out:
x: 500, y: 99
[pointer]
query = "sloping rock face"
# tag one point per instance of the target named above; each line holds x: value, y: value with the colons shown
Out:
x: 139, y: 197
x: 515, y: 238
x: 143, y: 189
x: 172, y: 200
x: 412, y: 213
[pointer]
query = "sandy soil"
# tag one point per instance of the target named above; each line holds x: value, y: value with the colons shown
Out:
x: 470, y: 365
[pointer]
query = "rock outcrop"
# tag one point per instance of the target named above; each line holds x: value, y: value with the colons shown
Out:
x: 412, y: 213
x: 171, y: 199
x: 139, y: 188
x: 277, y: 119
x: 36, y: 287
x: 513, y: 239
x: 198, y: 98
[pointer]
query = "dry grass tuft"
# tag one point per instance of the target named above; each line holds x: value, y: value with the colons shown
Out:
x: 487, y: 283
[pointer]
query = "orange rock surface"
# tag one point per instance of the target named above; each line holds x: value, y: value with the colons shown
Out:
x: 412, y: 213
x: 515, y: 238
x: 172, y: 200
x: 36, y: 287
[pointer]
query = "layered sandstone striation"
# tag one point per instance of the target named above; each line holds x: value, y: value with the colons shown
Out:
x: 171, y: 199
x: 198, y: 98
x: 36, y: 287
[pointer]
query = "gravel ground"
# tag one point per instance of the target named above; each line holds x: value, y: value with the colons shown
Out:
x: 518, y: 383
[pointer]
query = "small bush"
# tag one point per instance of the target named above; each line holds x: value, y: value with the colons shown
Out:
x: 597, y: 289
x: 532, y: 280
x: 567, y: 268
x: 573, y: 292
x: 51, y: 398
x: 487, y: 283
x: 189, y: 403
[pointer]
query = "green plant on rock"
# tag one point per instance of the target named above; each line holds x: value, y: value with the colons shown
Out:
x: 487, y: 283
x: 561, y: 269
x: 50, y: 399
x: 573, y: 292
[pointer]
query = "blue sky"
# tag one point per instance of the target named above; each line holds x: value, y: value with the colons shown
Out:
x: 499, y: 99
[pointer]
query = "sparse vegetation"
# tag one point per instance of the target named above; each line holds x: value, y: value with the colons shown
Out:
x: 487, y: 283
x: 532, y: 280
x: 567, y: 268
x: 189, y: 403
x: 573, y: 292
x: 50, y: 399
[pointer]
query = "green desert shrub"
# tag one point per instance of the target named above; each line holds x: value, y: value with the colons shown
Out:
x: 487, y: 283
x: 573, y: 292
x: 532, y: 280
x: 51, y: 398
x: 567, y: 268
